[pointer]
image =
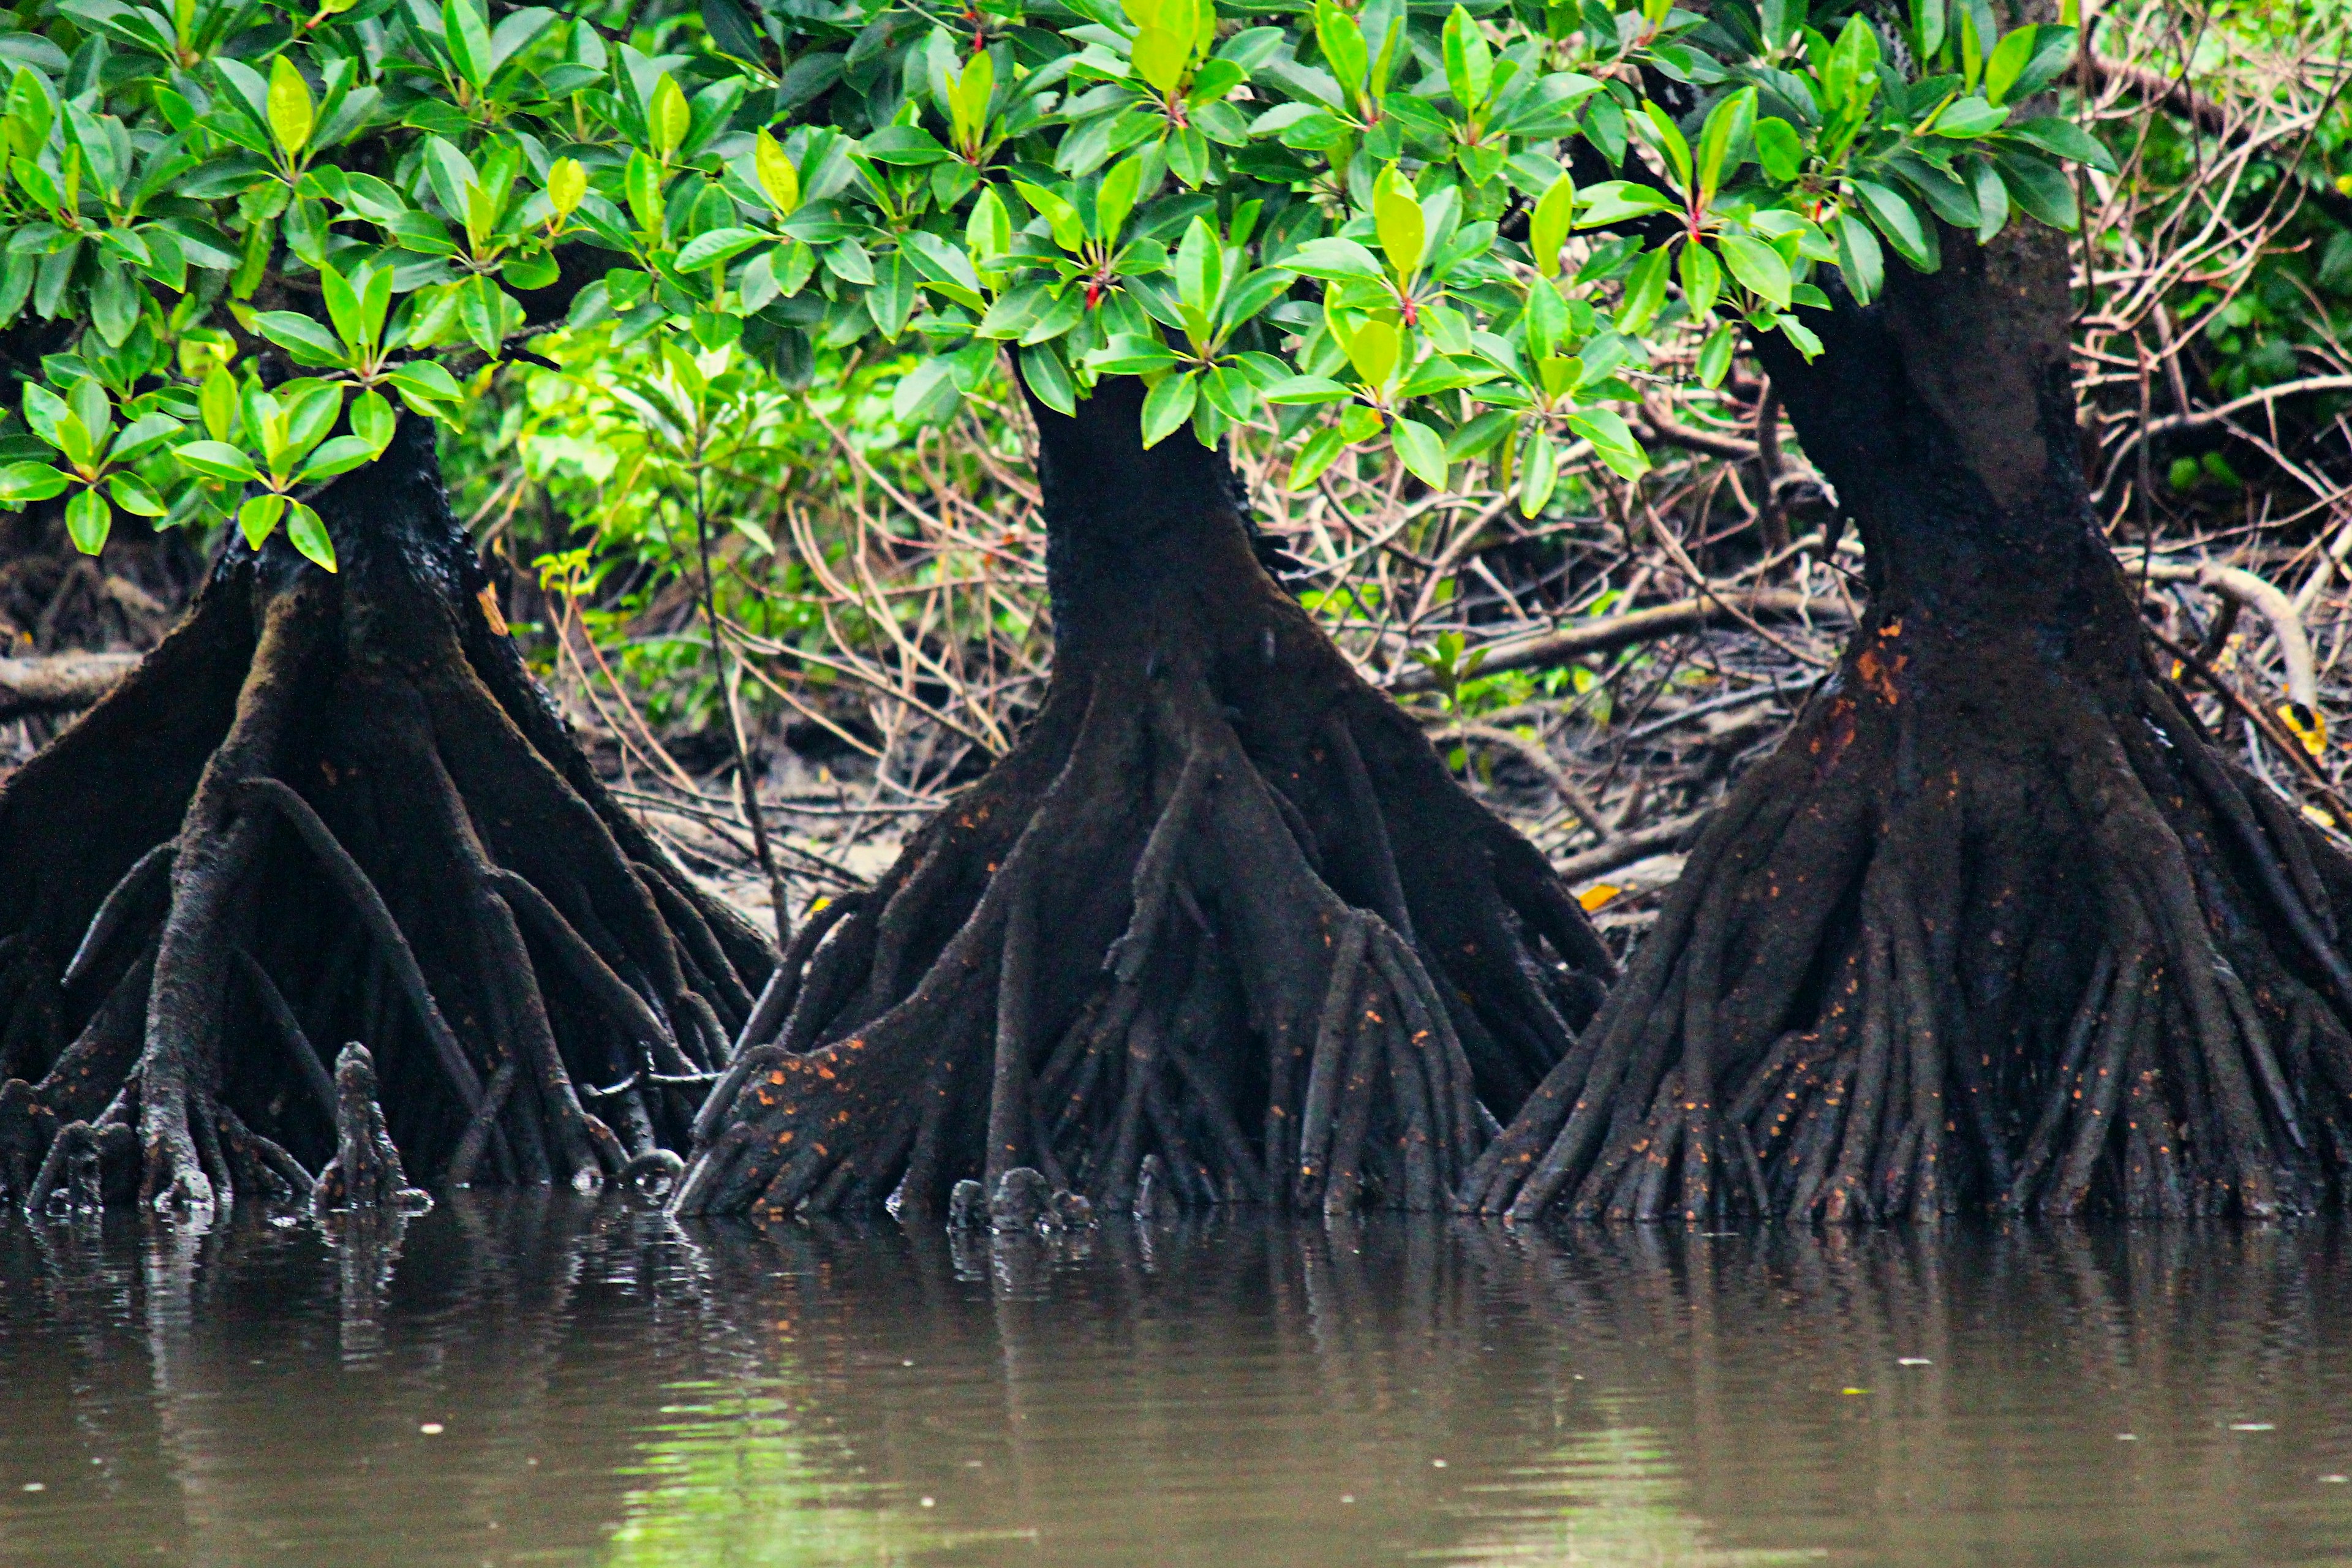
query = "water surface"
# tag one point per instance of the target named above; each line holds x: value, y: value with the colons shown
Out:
x: 548, y: 1379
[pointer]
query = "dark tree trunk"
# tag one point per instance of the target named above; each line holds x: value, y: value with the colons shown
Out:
x: 1999, y: 925
x: 1222, y: 905
x: 329, y: 810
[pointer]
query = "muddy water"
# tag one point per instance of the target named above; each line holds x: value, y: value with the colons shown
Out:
x: 553, y: 1380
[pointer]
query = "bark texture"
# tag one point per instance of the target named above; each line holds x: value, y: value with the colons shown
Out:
x: 335, y: 809
x: 1222, y: 914
x: 1999, y: 926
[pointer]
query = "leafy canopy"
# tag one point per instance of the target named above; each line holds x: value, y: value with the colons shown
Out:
x: 254, y: 229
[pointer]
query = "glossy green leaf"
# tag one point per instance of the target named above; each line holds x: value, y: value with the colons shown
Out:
x: 292, y: 114
x: 1758, y: 266
x: 257, y: 520
x: 216, y: 460
x: 1423, y: 454
x: 307, y: 534
x: 22, y: 483
x: 1168, y: 406
x: 88, y: 520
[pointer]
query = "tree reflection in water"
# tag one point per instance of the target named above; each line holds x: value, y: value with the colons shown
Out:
x: 614, y: 1389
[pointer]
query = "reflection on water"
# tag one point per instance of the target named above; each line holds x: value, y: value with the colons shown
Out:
x: 543, y: 1378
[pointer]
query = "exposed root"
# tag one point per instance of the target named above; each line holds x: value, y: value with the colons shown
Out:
x: 1223, y: 914
x: 365, y: 1173
x: 336, y: 808
x: 2072, y: 963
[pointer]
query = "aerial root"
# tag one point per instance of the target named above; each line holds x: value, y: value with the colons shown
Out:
x: 365, y: 1173
x: 1250, y: 1036
x: 2196, y: 1060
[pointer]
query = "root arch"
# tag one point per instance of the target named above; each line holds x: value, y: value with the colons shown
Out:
x: 336, y: 810
x: 1223, y: 908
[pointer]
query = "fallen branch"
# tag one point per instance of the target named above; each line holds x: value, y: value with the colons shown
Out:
x: 61, y: 683
x: 1606, y: 635
x: 1660, y: 840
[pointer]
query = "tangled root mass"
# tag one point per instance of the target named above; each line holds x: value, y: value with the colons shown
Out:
x: 331, y: 811
x: 1221, y: 911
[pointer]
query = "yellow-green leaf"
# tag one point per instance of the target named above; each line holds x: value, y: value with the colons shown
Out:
x: 567, y: 182
x: 1547, y: 229
x: 1397, y: 214
x: 1373, y: 350
x: 1160, y: 55
x: 667, y: 117
x: 291, y: 113
x: 778, y: 178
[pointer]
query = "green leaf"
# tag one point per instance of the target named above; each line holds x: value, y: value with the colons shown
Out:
x: 298, y: 335
x: 1797, y: 332
x: 1615, y: 201
x: 1374, y: 350
x: 1611, y: 439
x: 340, y: 455
x: 1928, y: 28
x: 1714, y: 355
x: 668, y: 117
x: 1539, y: 473
x: 1860, y: 258
x: 88, y: 520
x: 1728, y: 125
x: 1904, y: 227
x: 216, y: 460
x: 258, y: 518
x: 2062, y: 138
x: 1469, y: 63
x: 2041, y: 187
x: 779, y: 181
x: 1423, y: 453
x: 1169, y: 404
x: 2054, y: 52
x: 139, y: 435
x: 1305, y: 389
x: 1160, y: 55
x: 718, y: 246
x: 1397, y: 219
x: 1850, y: 79
x: 133, y: 494
x: 93, y: 410
x: 567, y: 185
x: 925, y: 394
x: 1343, y: 42
x: 1702, y: 278
x: 372, y: 421
x: 21, y: 483
x: 291, y: 113
x: 1969, y: 117
x: 2007, y: 63
x: 1200, y: 267
x: 1758, y: 266
x: 308, y: 534
x: 1548, y: 228
x: 1779, y: 150
x: 1049, y: 378
x: 217, y: 402
x: 469, y: 42
x: 45, y: 412
x: 1321, y: 450
x: 1069, y: 231
x: 1115, y: 197
x: 1645, y: 293
x: 1668, y: 138
x: 478, y: 303
x: 1333, y: 259
x: 1992, y: 200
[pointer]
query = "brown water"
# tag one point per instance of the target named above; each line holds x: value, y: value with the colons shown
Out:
x: 553, y: 1380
